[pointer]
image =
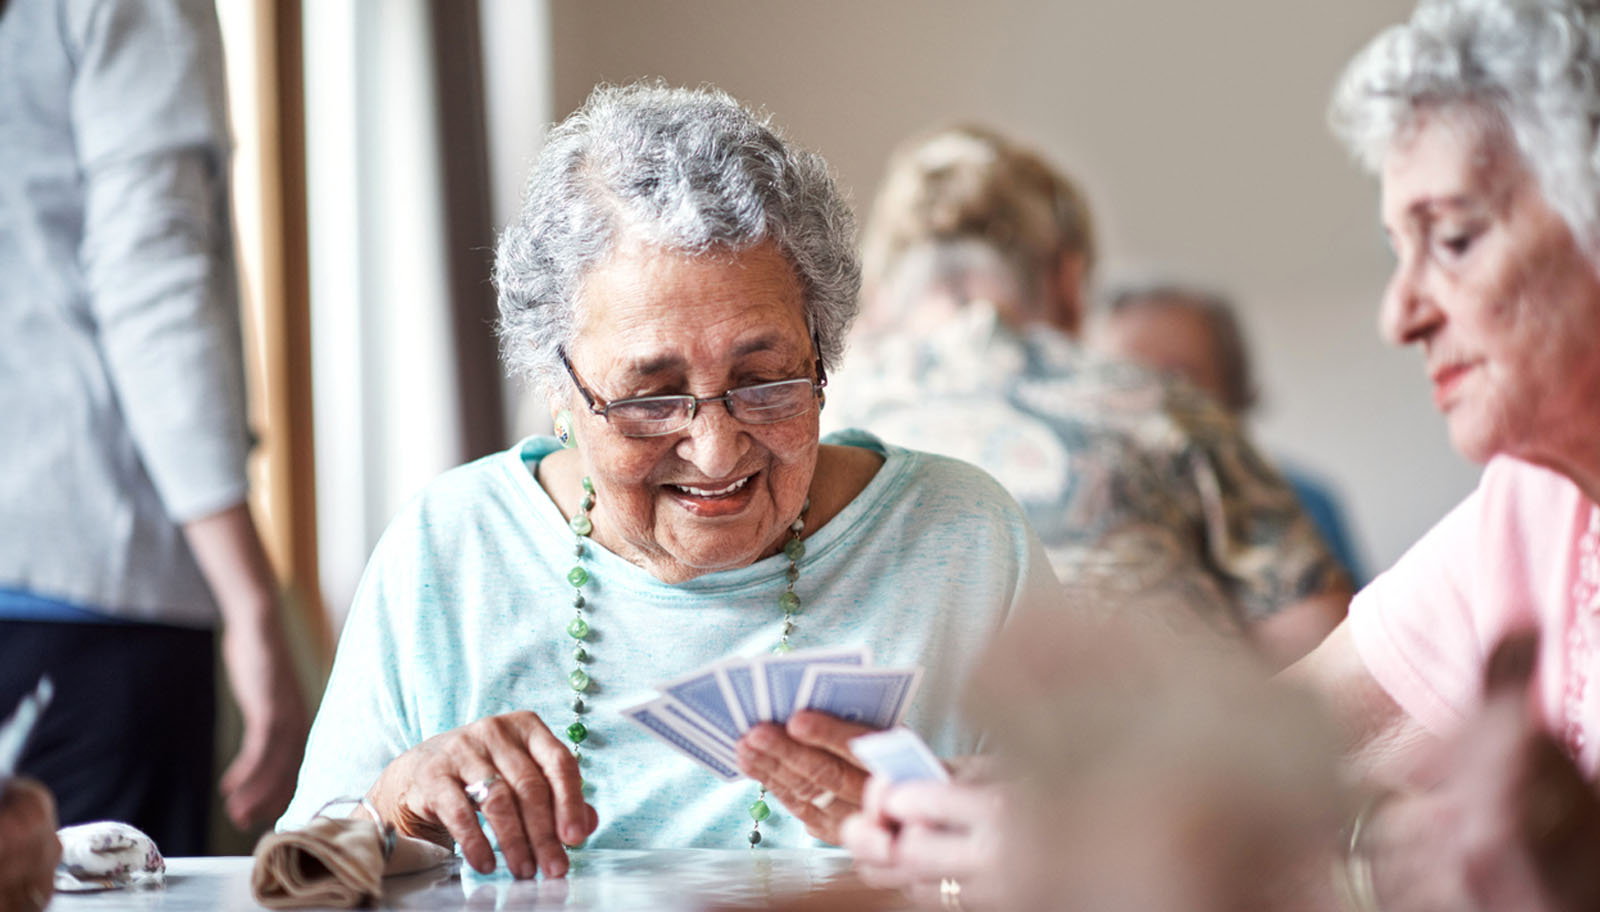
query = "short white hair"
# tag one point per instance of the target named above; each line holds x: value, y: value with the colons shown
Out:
x: 1529, y: 67
x: 689, y: 170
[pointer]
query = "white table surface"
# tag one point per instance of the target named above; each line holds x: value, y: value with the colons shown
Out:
x: 667, y: 880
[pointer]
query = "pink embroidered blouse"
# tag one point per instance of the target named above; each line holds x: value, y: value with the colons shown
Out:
x: 1523, y: 550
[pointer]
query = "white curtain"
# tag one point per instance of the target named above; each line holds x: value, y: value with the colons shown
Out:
x: 518, y: 66
x: 384, y: 386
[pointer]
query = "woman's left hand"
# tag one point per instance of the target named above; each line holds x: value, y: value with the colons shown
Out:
x: 807, y: 764
x: 928, y: 838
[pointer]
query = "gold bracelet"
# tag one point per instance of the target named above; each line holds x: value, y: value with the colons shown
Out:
x: 1352, y: 870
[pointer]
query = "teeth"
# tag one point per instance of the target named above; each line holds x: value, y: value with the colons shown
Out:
x: 702, y: 492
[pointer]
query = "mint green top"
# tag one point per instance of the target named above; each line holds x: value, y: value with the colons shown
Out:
x: 463, y: 609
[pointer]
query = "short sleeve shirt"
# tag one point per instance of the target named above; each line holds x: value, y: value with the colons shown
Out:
x: 1521, y: 552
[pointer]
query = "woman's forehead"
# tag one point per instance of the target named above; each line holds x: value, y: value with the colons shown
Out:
x: 650, y: 358
x: 656, y: 309
x: 1446, y: 157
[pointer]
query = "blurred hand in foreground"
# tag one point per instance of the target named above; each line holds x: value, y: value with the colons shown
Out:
x: 1137, y: 767
x: 1509, y: 822
x: 29, y: 849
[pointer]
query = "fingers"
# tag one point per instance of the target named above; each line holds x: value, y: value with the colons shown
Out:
x: 451, y: 807
x: 534, y: 767
x: 929, y: 853
x: 803, y: 777
x: 255, y: 787
x: 823, y: 763
x: 260, y: 781
x: 532, y: 792
x: 1511, y: 664
x: 513, y: 803
x: 943, y: 805
x: 830, y: 733
x: 870, y: 842
x: 872, y: 796
x: 574, y: 818
x: 822, y: 819
x: 544, y: 795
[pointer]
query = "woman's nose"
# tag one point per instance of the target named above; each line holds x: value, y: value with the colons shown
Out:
x: 1408, y: 312
x: 715, y: 441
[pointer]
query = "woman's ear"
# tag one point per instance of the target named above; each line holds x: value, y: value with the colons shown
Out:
x: 1066, y: 311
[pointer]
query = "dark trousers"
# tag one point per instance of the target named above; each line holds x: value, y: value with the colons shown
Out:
x: 129, y: 733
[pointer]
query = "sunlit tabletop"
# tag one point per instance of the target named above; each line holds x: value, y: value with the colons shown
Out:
x: 674, y: 880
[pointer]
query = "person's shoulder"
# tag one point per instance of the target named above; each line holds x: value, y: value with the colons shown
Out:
x: 466, y: 495
x: 930, y: 484
x: 1508, y: 476
x: 1529, y: 501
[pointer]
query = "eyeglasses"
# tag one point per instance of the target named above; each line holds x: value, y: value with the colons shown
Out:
x: 656, y: 416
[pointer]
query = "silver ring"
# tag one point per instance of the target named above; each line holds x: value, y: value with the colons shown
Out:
x: 478, y: 792
x: 822, y: 800
x: 949, y: 893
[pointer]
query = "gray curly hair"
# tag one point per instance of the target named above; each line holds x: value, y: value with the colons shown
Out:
x: 687, y: 170
x: 1531, y: 67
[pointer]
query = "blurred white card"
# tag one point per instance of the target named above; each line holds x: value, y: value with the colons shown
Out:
x: 898, y: 755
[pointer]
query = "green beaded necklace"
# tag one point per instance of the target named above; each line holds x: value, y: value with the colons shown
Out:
x: 578, y: 628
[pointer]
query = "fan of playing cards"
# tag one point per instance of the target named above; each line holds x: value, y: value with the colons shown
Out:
x: 703, y: 714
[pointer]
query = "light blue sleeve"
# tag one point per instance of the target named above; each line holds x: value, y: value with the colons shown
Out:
x: 364, y: 721
x: 1038, y: 588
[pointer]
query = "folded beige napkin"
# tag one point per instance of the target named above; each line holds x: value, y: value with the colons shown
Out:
x: 334, y: 862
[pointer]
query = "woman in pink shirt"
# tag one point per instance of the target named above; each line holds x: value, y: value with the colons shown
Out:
x: 1481, y: 120
x: 1466, y: 679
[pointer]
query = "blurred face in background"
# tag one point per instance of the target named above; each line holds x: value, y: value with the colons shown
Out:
x: 1166, y: 336
x: 1490, y: 285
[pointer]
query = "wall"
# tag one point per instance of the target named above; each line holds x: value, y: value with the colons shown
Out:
x: 1197, y: 129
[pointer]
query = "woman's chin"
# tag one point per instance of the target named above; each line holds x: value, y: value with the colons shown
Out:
x: 1473, y: 440
x: 695, y: 552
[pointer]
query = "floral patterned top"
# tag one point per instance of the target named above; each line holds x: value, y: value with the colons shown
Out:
x: 1135, y: 484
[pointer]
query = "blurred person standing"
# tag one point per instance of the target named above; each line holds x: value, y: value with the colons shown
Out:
x: 1194, y: 334
x: 124, y: 532
x: 977, y: 255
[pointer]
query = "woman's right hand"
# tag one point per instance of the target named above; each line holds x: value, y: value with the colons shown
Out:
x: 534, y: 799
x: 29, y: 849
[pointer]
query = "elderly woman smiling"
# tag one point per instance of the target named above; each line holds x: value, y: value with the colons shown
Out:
x: 678, y: 283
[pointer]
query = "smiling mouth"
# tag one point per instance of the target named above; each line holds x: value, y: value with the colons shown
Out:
x: 712, y: 492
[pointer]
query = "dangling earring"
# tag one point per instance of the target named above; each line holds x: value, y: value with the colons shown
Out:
x: 564, y: 429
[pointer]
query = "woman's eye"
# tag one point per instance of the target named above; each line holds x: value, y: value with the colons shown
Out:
x: 1456, y: 244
